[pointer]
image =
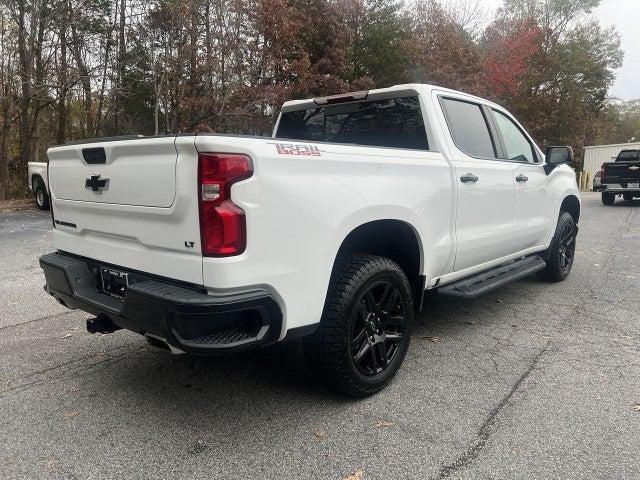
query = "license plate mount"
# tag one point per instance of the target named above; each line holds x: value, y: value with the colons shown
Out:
x: 114, y: 282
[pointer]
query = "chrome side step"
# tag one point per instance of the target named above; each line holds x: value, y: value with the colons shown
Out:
x: 483, y: 282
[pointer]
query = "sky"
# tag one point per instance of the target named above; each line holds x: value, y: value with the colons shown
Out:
x: 625, y: 16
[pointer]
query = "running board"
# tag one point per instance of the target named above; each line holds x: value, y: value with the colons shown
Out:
x: 483, y: 282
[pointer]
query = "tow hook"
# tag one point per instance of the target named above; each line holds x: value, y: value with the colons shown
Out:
x: 101, y: 324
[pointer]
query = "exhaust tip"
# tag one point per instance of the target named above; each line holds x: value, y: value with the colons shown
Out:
x: 101, y: 324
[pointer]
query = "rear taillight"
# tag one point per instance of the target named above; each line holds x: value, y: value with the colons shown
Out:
x: 223, y: 229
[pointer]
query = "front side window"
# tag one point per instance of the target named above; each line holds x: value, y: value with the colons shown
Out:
x: 469, y: 128
x: 518, y: 147
x: 394, y: 122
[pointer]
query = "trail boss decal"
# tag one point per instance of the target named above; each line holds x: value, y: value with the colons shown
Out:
x: 297, y: 149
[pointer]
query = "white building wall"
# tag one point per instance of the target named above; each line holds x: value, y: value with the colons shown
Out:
x: 595, y: 156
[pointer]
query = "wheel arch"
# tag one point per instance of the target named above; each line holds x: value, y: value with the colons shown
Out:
x: 571, y: 204
x: 391, y: 238
x: 36, y: 177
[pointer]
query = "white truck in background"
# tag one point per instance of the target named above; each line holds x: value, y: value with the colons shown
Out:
x: 37, y: 178
x: 331, y: 230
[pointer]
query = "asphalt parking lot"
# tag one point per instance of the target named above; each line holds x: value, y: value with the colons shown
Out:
x: 533, y: 381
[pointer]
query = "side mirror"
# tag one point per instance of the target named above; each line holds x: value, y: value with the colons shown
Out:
x: 559, y: 155
x: 555, y: 156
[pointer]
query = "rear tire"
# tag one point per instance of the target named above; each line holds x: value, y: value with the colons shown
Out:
x: 365, y: 328
x: 42, y: 197
x: 559, y: 255
x: 608, y: 198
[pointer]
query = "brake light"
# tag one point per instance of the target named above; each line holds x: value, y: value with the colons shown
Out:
x: 342, y: 98
x: 223, y: 230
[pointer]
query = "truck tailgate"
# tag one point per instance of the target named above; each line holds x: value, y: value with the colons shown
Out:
x: 126, y: 165
x: 621, y: 172
x: 136, y: 207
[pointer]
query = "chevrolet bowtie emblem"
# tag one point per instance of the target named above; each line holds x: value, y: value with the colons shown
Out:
x: 96, y: 184
x: 634, y: 168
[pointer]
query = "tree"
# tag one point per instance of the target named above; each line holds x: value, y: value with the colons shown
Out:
x: 83, y: 68
x: 442, y: 51
x: 509, y: 46
x: 557, y: 72
x: 8, y: 97
x: 379, y: 33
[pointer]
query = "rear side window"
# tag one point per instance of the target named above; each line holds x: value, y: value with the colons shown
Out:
x: 469, y: 128
x: 394, y: 122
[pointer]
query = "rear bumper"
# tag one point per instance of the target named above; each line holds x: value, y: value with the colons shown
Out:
x: 618, y: 188
x: 184, y: 316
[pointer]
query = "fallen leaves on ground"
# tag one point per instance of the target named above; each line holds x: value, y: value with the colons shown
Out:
x: 636, y: 407
x: 67, y: 335
x: 320, y: 433
x: 384, y: 424
x: 357, y: 475
x: 17, y: 204
x: 431, y: 338
x: 197, y: 447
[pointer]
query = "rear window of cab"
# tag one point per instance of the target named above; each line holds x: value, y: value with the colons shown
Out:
x: 394, y: 122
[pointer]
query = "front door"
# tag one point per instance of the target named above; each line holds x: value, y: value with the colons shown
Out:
x: 534, y: 207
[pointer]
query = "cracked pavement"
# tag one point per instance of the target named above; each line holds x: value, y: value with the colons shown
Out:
x: 532, y: 381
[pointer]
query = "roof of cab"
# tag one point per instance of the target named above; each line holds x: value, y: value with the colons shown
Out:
x: 380, y: 93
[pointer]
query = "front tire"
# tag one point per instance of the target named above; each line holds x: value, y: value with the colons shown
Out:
x: 364, y: 332
x: 627, y: 197
x: 559, y: 256
x: 42, y: 197
x: 608, y: 198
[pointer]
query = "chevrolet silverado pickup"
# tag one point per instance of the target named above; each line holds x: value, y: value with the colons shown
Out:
x: 331, y: 230
x: 37, y: 176
x: 621, y: 177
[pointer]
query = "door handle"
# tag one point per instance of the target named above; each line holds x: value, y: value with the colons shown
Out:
x: 521, y: 178
x: 468, y: 178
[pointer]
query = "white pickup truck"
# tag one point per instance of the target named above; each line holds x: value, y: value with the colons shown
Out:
x: 37, y: 176
x: 331, y: 230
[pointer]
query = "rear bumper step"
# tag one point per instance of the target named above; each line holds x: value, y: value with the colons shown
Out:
x: 187, y: 319
x: 483, y: 282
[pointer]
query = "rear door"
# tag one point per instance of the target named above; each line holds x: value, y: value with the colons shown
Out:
x: 485, y: 190
x: 534, y: 207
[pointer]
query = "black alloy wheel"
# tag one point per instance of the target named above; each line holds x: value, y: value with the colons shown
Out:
x: 560, y: 254
x: 378, y: 329
x: 567, y: 247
